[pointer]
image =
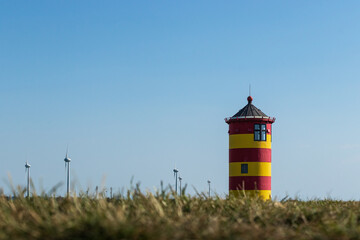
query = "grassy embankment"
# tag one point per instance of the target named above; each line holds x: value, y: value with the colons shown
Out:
x: 163, y: 216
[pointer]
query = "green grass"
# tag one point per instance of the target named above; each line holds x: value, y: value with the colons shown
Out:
x: 162, y: 215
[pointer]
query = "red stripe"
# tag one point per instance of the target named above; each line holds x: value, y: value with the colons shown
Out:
x: 246, y: 127
x: 249, y: 183
x: 250, y: 155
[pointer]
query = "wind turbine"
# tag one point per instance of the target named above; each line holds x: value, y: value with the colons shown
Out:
x: 180, y: 178
x: 27, y: 169
x: 209, y: 186
x: 175, y: 175
x: 67, y: 162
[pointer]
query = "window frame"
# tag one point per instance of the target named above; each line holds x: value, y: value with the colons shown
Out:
x: 260, y: 132
x: 244, y: 168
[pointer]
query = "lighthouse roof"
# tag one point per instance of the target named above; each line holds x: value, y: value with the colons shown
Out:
x: 250, y: 110
x: 250, y: 113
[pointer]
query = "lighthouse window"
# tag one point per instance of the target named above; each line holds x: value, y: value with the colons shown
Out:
x: 244, y: 168
x: 257, y: 132
x: 260, y: 132
x: 263, y: 132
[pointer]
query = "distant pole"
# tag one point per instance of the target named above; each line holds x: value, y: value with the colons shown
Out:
x: 175, y: 175
x: 111, y: 196
x: 180, y: 178
x: 27, y: 168
x: 209, y: 186
x: 28, y: 183
x: 96, y: 191
x: 67, y: 163
x: 68, y: 180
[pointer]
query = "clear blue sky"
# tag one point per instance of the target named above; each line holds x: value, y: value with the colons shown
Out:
x: 137, y: 87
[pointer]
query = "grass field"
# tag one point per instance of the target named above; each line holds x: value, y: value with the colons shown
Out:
x: 137, y: 215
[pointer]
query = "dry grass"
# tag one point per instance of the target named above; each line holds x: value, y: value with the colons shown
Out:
x: 165, y: 216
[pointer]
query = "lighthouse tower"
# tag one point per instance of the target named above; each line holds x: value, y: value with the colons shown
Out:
x: 250, y: 152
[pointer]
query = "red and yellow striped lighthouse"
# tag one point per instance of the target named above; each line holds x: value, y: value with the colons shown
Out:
x: 250, y: 152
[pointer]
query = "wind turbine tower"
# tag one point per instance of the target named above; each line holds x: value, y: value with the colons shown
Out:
x: 209, y: 182
x: 180, y: 178
x: 176, y: 178
x: 27, y: 169
x: 67, y: 167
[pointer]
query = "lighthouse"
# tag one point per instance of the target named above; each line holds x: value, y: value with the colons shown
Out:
x: 250, y: 152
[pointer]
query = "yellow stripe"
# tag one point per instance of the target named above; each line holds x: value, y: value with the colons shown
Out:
x: 264, y: 194
x: 247, y: 141
x: 254, y: 169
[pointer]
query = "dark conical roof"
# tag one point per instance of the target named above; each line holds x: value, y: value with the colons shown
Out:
x: 250, y: 110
